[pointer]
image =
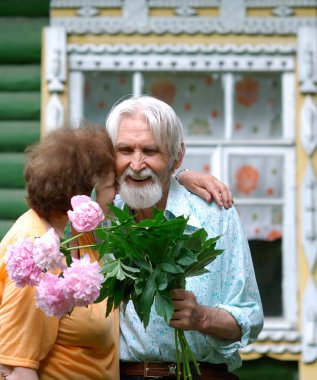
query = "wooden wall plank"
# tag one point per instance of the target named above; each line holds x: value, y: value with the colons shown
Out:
x: 11, y: 170
x: 15, y: 136
x: 20, y: 78
x: 20, y: 105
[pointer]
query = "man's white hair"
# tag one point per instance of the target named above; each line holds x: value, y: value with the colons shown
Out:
x: 165, y: 124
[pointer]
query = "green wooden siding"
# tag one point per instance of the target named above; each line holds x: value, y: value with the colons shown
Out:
x: 11, y: 170
x: 16, y: 135
x: 20, y: 40
x: 20, y: 105
x: 25, y: 8
x: 21, y: 24
x: 12, y: 202
x: 20, y: 78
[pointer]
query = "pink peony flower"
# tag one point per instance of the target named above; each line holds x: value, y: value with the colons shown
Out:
x: 83, y: 281
x: 87, y: 214
x: 46, y: 251
x: 21, y: 266
x: 50, y: 297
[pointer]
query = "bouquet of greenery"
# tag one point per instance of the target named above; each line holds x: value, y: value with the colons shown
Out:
x: 141, y: 262
x: 144, y: 261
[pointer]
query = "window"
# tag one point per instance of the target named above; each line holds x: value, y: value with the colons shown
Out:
x: 238, y: 125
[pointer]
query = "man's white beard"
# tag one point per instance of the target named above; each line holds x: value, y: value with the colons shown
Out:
x: 140, y: 197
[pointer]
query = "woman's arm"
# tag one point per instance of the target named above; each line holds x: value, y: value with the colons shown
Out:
x: 17, y: 373
x: 206, y: 186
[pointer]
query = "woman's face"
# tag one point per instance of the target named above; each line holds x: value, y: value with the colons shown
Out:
x: 106, y: 190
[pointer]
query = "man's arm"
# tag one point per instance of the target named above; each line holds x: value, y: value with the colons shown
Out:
x: 206, y: 186
x: 190, y: 315
x: 17, y: 373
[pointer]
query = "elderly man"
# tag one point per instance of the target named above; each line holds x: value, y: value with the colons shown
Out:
x: 221, y: 310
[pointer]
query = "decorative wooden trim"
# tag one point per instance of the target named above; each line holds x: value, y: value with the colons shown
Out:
x: 168, y: 57
x: 76, y: 100
x: 83, y: 3
x: 259, y: 49
x: 54, y: 114
x: 179, y: 25
x: 308, y: 126
x: 309, y: 216
x: 55, y: 75
x: 55, y: 59
x: 272, y: 348
x: 178, y: 3
x: 279, y: 335
x: 307, y: 59
x: 310, y: 323
x: 137, y: 19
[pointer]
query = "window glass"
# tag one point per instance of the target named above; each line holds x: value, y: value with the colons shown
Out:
x: 101, y: 91
x: 197, y: 99
x: 199, y: 160
x: 261, y: 221
x: 258, y: 176
x: 267, y: 260
x: 257, y: 106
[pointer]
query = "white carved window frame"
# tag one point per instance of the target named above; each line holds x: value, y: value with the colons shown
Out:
x: 229, y: 60
x: 289, y: 284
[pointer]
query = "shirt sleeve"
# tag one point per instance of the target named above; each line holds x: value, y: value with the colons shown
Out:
x: 240, y: 294
x: 26, y: 333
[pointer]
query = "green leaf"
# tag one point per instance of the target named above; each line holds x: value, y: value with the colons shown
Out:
x: 68, y: 230
x: 93, y: 195
x: 129, y: 269
x: 147, y: 299
x: 171, y: 268
x: 161, y: 281
x: 120, y: 273
x: 186, y: 257
x: 196, y: 239
x: 164, y: 306
x: 122, y: 215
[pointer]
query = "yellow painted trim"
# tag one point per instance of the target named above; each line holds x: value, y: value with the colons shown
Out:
x: 210, y: 12
x: 179, y: 39
x: 305, y: 12
x: 112, y: 12
x: 161, y: 12
x: 307, y: 371
x: 286, y: 356
x: 65, y: 12
x: 259, y: 12
x: 251, y: 356
x: 72, y: 12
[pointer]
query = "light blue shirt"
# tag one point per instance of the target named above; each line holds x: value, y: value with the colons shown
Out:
x: 230, y: 285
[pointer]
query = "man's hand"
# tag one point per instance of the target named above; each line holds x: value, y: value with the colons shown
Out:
x: 207, y: 187
x: 17, y: 373
x: 190, y: 315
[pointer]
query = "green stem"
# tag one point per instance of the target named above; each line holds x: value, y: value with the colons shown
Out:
x: 191, y: 354
x: 71, y: 239
x: 186, y: 368
x: 79, y: 247
x: 178, y: 364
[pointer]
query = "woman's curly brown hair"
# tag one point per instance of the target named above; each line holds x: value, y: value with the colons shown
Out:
x: 65, y: 163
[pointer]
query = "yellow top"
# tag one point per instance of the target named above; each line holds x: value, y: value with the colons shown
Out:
x: 81, y: 346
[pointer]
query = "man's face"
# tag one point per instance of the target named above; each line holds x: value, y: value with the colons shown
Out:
x: 141, y: 166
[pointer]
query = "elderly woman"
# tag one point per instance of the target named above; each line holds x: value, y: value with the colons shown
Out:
x: 84, y: 344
